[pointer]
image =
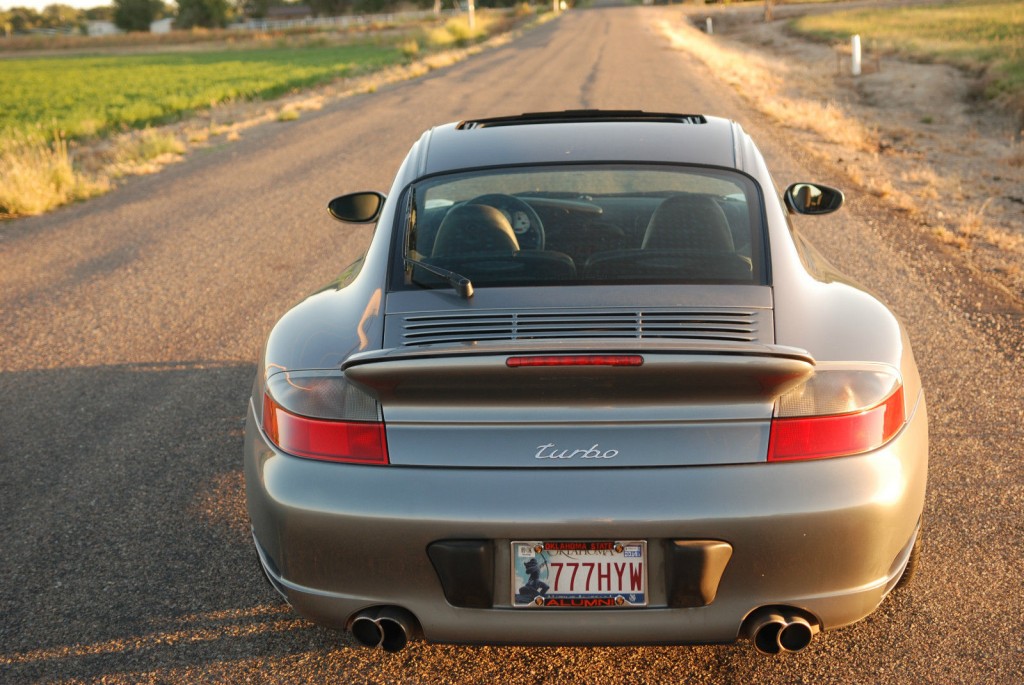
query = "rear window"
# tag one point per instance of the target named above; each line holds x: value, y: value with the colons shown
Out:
x: 584, y: 225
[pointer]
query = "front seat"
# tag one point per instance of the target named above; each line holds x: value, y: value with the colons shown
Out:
x: 692, y: 223
x: 477, y: 241
x: 474, y: 230
x: 687, y: 238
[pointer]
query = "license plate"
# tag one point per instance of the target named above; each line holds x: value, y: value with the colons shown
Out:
x: 579, y: 574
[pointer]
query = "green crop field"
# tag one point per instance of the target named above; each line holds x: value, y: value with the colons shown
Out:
x: 142, y: 80
x: 984, y: 35
x: 93, y: 95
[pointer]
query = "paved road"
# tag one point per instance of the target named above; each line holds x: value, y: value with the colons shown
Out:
x: 129, y: 329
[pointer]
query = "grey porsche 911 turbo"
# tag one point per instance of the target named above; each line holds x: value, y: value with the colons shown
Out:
x: 587, y: 386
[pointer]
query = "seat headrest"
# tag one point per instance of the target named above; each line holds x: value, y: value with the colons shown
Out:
x: 469, y: 229
x: 688, y: 222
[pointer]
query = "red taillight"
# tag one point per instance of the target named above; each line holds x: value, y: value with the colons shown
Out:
x: 576, y: 360
x: 345, y: 441
x: 819, y: 437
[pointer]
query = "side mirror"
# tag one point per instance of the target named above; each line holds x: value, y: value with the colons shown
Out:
x: 812, y: 198
x: 357, y: 208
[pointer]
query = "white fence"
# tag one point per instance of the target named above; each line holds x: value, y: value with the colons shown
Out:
x: 341, y: 22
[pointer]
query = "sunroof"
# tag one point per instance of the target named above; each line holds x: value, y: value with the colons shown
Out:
x: 582, y: 115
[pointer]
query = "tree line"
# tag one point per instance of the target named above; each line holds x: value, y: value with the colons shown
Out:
x: 137, y: 15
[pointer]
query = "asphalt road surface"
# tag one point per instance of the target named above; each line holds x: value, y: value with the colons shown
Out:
x: 129, y: 331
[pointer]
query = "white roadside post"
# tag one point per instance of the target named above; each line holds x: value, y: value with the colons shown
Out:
x: 472, y: 15
x: 710, y: 27
x: 855, y: 55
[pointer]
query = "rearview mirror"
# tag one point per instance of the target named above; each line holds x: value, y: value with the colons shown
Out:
x: 357, y: 208
x: 812, y: 198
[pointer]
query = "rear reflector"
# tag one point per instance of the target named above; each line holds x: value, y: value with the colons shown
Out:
x: 359, y: 442
x: 576, y: 360
x: 819, y: 437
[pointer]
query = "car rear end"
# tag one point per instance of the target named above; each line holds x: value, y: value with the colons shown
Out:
x: 617, y: 453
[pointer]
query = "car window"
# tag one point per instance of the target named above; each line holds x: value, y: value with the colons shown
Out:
x: 578, y: 224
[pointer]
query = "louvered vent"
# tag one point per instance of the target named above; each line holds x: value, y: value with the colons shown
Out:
x: 739, y: 325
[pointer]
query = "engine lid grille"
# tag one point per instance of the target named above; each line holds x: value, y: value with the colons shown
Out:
x: 732, y: 324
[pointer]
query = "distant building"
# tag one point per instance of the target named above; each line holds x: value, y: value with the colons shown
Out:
x: 101, y: 28
x: 161, y: 25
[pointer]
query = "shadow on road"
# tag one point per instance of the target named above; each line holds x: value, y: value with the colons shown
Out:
x: 123, y: 519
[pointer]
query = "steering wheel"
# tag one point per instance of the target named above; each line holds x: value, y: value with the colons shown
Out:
x: 525, y: 223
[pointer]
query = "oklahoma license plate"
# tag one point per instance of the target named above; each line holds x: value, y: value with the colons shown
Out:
x: 579, y: 573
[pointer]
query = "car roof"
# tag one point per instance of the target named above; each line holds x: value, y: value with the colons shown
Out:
x: 580, y: 136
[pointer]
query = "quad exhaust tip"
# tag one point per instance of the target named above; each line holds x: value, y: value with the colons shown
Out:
x: 387, y: 627
x: 778, y: 630
x: 773, y: 630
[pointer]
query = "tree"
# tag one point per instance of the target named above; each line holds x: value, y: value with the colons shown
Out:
x: 101, y: 13
x: 254, y: 9
x: 206, y: 13
x: 60, y: 17
x: 136, y: 15
x: 329, y: 8
x: 23, y: 19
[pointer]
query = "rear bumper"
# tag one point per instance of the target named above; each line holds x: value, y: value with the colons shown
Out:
x: 829, y: 537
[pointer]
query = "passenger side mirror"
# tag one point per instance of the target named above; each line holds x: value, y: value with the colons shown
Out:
x: 812, y: 198
x: 357, y: 208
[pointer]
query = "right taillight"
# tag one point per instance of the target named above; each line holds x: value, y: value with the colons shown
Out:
x: 838, y: 412
x: 317, y: 416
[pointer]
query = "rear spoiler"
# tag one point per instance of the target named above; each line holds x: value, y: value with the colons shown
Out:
x: 668, y: 371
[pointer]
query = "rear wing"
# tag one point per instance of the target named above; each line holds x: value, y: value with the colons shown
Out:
x: 588, y: 372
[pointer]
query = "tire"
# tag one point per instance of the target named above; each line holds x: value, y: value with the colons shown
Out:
x: 911, y: 569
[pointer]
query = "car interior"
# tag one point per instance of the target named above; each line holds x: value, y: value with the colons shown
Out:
x: 537, y: 238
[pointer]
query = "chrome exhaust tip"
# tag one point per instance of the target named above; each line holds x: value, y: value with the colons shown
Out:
x: 387, y: 627
x: 796, y: 635
x: 764, y: 632
x: 366, y: 630
x: 395, y: 625
x: 778, y: 630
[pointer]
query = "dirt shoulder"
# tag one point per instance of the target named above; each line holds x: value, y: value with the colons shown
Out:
x: 914, y: 135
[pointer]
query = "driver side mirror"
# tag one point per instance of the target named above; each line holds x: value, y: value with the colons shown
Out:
x: 812, y: 198
x: 357, y: 208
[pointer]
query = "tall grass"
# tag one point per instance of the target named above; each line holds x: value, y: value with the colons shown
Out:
x: 37, y: 175
x: 456, y: 31
x: 983, y: 35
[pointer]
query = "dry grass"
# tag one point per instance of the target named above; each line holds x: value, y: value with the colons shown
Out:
x: 973, y: 221
x: 973, y: 229
x: 1015, y: 156
x: 36, y: 176
x: 947, y: 237
x: 288, y: 113
x: 144, y: 152
x: 924, y: 181
x: 762, y: 84
x: 456, y: 31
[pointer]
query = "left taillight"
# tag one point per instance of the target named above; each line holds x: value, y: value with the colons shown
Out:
x: 325, y: 417
x: 838, y: 412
